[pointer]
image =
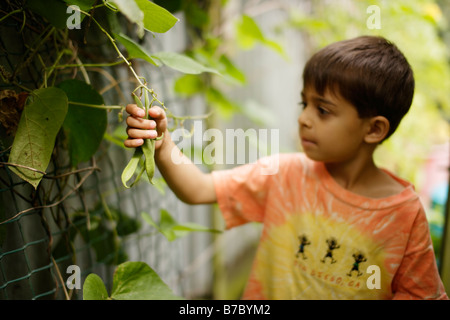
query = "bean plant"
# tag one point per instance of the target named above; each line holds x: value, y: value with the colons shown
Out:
x: 72, y: 106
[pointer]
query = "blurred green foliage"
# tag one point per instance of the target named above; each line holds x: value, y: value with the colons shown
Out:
x: 417, y: 28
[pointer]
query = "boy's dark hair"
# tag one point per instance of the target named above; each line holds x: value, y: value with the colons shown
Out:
x: 368, y: 71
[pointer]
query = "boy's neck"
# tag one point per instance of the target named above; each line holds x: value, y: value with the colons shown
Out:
x: 351, y: 173
x: 363, y: 177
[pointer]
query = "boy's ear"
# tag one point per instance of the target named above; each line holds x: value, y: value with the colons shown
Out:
x: 378, y: 129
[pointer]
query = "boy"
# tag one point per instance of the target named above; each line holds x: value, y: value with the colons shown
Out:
x: 361, y: 231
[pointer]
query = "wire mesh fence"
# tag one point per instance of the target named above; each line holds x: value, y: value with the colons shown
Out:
x: 77, y: 216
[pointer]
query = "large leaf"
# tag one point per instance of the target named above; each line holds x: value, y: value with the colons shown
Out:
x: 132, y: 11
x: 39, y: 125
x: 55, y: 11
x: 182, y: 63
x: 156, y: 18
x: 94, y: 288
x: 134, y: 49
x: 52, y: 10
x: 84, y: 126
x: 137, y: 281
x: 131, y: 281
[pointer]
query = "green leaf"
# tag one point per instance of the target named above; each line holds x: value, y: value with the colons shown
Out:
x: 134, y: 49
x: 84, y: 126
x: 231, y: 70
x: 218, y: 100
x: 55, y: 11
x: 183, y: 229
x: 194, y: 15
x: 125, y: 224
x: 275, y: 46
x: 148, y: 218
x: 52, y: 10
x: 131, y: 10
x: 182, y: 63
x: 131, y: 281
x: 188, y: 85
x: 84, y: 5
x: 137, y: 281
x: 171, y: 229
x: 249, y: 33
x: 259, y: 114
x: 106, y: 227
x: 166, y: 224
x: 94, y: 288
x: 38, y: 127
x: 156, y: 18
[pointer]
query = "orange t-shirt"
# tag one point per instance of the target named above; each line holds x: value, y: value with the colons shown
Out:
x: 320, y: 241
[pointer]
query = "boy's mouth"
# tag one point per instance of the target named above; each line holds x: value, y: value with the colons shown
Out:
x: 307, y: 142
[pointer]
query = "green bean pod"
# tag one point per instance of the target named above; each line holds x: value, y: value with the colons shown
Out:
x: 138, y: 102
x: 131, y: 167
x: 149, y: 152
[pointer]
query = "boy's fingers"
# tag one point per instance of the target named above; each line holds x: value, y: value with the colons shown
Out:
x: 140, y: 123
x: 141, y: 134
x: 133, y: 143
x: 135, y: 111
x: 156, y: 112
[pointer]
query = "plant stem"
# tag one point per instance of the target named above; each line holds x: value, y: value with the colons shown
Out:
x: 98, y: 106
x: 87, y: 65
x: 10, y: 13
x: 113, y: 42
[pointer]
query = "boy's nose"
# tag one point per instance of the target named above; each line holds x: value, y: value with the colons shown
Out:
x: 304, y: 120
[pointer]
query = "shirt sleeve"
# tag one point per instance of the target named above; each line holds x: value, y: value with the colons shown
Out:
x: 242, y: 191
x: 418, y: 276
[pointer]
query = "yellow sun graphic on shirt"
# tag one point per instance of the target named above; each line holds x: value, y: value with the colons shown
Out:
x: 313, y: 257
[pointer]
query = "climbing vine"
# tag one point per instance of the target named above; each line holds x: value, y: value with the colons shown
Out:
x: 50, y: 109
x: 59, y: 107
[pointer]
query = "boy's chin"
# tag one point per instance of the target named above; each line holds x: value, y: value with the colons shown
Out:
x: 313, y: 156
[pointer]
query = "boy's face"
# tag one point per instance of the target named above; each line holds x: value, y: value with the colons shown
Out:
x: 330, y: 128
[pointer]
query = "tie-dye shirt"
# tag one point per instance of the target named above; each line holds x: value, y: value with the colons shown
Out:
x: 320, y: 241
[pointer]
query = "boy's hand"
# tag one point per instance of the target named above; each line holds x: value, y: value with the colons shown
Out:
x: 200, y: 189
x: 140, y: 128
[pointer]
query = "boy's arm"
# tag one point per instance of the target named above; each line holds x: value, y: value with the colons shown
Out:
x: 184, y: 178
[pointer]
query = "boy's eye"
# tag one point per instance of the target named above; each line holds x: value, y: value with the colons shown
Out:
x: 322, y: 111
x: 302, y: 104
